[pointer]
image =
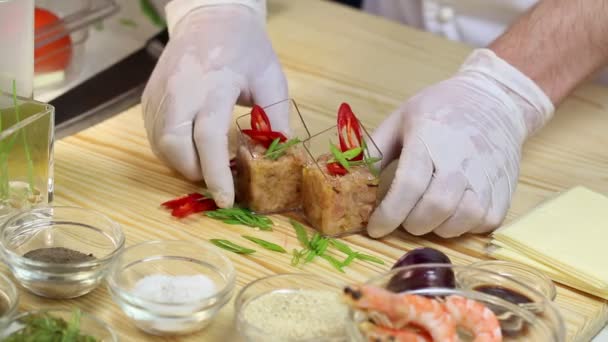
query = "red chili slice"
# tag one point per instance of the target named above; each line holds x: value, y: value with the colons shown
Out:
x: 192, y: 207
x: 336, y: 169
x: 264, y: 138
x: 349, y: 130
x: 172, y: 204
x: 259, y: 120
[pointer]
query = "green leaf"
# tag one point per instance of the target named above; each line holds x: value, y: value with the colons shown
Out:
x: 280, y: 149
x: 333, y: 261
x: 369, y: 258
x: 314, y: 240
x: 349, y: 259
x: 242, y: 216
x: 339, y: 156
x: 300, y: 232
x: 352, y: 153
x: 272, y: 146
x: 71, y: 333
x: 266, y: 244
x: 231, y: 246
x: 310, y: 255
x: 342, y: 247
x: 321, y: 246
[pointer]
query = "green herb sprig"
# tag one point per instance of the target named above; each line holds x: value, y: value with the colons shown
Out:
x: 265, y: 244
x: 277, y: 149
x: 241, y: 216
x: 44, y: 327
x: 345, y: 158
x: 318, y: 246
x: 231, y: 246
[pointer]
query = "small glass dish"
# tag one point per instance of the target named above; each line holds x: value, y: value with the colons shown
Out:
x: 171, y: 258
x: 339, y: 205
x: 517, y: 322
x: 77, y: 229
x: 520, y: 272
x: 89, y: 324
x: 269, y: 182
x: 9, y: 301
x: 290, y: 287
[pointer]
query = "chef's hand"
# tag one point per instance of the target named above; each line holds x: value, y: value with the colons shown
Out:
x: 219, y: 54
x: 459, y: 144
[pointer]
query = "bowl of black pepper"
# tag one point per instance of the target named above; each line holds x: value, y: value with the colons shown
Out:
x: 60, y: 252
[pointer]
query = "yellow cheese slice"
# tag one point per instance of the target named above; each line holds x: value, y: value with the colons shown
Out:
x: 568, y: 234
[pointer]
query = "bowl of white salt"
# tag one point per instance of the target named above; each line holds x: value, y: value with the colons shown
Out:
x: 171, y: 287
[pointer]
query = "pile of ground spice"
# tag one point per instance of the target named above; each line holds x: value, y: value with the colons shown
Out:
x: 302, y: 314
x: 58, y: 255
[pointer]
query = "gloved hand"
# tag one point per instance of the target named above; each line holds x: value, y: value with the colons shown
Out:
x: 217, y: 56
x: 459, y: 145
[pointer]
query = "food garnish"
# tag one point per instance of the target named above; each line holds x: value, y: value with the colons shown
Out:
x: 190, y: 204
x: 231, y: 246
x: 261, y: 130
x: 266, y: 244
x: 318, y: 245
x: 45, y: 327
x: 241, y: 216
x: 353, y: 150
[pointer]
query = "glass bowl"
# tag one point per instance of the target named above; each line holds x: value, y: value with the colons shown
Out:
x: 520, y: 272
x: 83, y: 230
x: 170, y: 258
x: 289, y: 285
x: 89, y: 324
x: 9, y: 301
x: 519, y: 322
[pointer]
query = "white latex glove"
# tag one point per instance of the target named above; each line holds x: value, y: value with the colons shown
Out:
x: 459, y: 145
x: 217, y: 56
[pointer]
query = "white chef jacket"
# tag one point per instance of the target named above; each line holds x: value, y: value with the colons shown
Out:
x: 474, y: 22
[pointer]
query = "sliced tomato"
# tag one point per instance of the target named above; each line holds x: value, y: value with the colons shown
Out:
x: 259, y: 120
x: 349, y: 130
x: 175, y: 203
x: 264, y: 138
x: 335, y: 169
x: 56, y: 55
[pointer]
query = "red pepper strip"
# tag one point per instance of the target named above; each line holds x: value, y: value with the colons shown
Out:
x: 335, y: 169
x: 172, y: 204
x: 259, y: 120
x: 349, y: 130
x: 264, y: 138
x: 195, y: 206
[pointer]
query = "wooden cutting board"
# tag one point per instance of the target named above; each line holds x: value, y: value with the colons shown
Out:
x: 330, y: 54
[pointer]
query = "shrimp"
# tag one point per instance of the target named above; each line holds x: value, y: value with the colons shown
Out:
x: 475, y: 317
x: 376, y: 333
x: 404, y: 309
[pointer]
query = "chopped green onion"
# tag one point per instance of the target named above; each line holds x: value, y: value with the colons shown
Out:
x: 369, y: 258
x: 266, y: 244
x: 231, y: 246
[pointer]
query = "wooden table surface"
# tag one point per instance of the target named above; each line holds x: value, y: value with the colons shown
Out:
x: 331, y: 54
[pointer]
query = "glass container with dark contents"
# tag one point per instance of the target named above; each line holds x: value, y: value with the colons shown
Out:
x: 517, y: 323
x: 60, y: 252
